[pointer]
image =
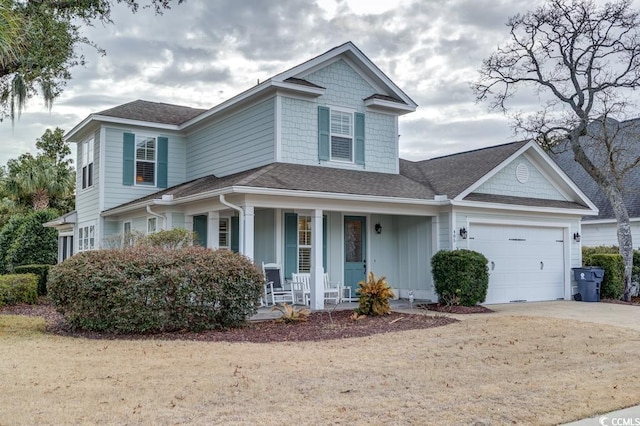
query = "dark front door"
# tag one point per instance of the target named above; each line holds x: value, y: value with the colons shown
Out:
x: 355, y: 255
x: 200, y: 228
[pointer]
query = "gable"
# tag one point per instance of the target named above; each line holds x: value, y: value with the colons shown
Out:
x: 521, y: 178
x: 344, y: 86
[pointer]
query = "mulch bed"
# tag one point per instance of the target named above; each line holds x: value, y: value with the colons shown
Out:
x: 455, y: 309
x: 635, y: 300
x: 318, y: 327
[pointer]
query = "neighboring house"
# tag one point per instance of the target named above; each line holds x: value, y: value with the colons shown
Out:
x: 602, y: 229
x: 303, y: 170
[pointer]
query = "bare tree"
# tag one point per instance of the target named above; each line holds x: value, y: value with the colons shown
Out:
x: 582, y: 60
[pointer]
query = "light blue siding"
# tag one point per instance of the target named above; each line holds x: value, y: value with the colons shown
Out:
x: 234, y: 144
x: 505, y: 183
x: 444, y: 231
x: 115, y: 193
x: 265, y: 236
x: 344, y: 88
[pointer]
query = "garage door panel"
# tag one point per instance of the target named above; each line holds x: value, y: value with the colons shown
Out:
x: 525, y: 263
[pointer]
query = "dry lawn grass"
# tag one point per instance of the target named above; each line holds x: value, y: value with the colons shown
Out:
x: 488, y: 370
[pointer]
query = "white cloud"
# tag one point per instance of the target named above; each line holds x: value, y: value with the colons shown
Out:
x: 203, y: 52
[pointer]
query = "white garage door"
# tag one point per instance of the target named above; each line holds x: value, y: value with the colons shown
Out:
x: 525, y: 263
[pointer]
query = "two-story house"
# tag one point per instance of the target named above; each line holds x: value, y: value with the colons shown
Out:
x: 304, y: 170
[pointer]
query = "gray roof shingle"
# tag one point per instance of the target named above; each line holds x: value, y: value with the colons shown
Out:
x: 631, y: 195
x: 154, y: 112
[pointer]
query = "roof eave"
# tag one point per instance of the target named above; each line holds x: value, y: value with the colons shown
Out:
x: 384, y: 105
x: 525, y: 208
x: 116, y: 120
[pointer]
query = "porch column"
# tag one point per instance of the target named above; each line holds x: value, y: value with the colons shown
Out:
x: 249, y: 231
x: 213, y: 230
x: 317, y: 272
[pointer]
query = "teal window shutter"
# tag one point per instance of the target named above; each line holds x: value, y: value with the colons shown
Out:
x: 359, y: 136
x: 235, y: 234
x: 324, y: 136
x: 128, y: 158
x: 163, y: 156
x: 290, y: 244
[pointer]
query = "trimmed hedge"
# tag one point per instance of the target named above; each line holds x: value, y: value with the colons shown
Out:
x: 587, y: 260
x: 42, y: 271
x: 612, y: 286
x: 18, y: 288
x: 147, y: 289
x: 461, y: 277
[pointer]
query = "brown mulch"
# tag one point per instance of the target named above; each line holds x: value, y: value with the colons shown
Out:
x: 319, y: 326
x: 635, y: 300
x: 455, y: 309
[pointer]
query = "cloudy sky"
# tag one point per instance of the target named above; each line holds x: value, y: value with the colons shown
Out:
x: 204, y: 52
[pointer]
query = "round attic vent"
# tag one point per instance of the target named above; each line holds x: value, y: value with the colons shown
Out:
x: 522, y: 173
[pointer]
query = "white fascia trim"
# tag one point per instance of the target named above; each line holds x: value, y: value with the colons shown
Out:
x: 102, y: 153
x: 334, y: 196
x: 118, y: 120
x: 516, y: 207
x: 374, y: 104
x: 607, y: 221
x: 516, y: 222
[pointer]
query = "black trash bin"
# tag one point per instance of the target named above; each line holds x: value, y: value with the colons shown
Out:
x: 589, y: 280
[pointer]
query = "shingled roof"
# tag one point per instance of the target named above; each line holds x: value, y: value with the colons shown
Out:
x: 154, y: 112
x: 452, y: 174
x: 631, y: 195
x: 417, y: 180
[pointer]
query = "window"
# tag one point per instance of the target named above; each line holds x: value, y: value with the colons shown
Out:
x: 341, y: 136
x: 304, y: 244
x: 87, y: 164
x: 145, y: 160
x: 86, y: 237
x: 152, y: 225
x: 223, y: 233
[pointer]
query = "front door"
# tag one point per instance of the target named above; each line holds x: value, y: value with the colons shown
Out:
x: 355, y: 255
x: 200, y: 228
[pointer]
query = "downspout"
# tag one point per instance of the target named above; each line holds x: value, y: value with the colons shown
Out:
x: 152, y: 213
x: 241, y: 221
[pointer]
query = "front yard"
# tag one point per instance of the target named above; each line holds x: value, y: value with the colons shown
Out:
x: 485, y: 370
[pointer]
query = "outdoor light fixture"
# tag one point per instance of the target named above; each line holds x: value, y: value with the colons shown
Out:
x: 463, y: 233
x: 576, y: 237
x: 378, y: 228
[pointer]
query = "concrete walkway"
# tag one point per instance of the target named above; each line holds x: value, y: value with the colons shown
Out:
x: 599, y: 313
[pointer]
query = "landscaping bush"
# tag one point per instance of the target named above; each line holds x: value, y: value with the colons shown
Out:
x: 7, y: 235
x: 42, y: 271
x: 461, y: 277
x: 18, y: 288
x: 612, y: 286
x: 32, y: 243
x: 374, y: 296
x: 587, y: 252
x: 147, y: 289
x: 169, y: 239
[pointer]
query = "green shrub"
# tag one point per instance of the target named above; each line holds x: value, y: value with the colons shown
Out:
x: 42, y: 271
x: 18, y: 288
x: 174, y: 238
x: 149, y: 289
x: 33, y: 243
x: 635, y: 274
x: 612, y: 286
x: 373, y: 296
x: 461, y: 277
x: 587, y: 252
x: 7, y: 235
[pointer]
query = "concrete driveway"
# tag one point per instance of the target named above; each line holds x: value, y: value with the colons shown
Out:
x: 601, y: 313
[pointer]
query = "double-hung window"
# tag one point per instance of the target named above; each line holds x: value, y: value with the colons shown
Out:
x: 145, y: 160
x: 87, y: 164
x: 152, y: 225
x: 304, y: 244
x: 224, y: 240
x: 341, y: 136
x: 86, y: 237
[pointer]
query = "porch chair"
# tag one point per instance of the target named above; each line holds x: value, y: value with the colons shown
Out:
x: 301, y: 287
x: 275, y: 288
x: 331, y: 291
